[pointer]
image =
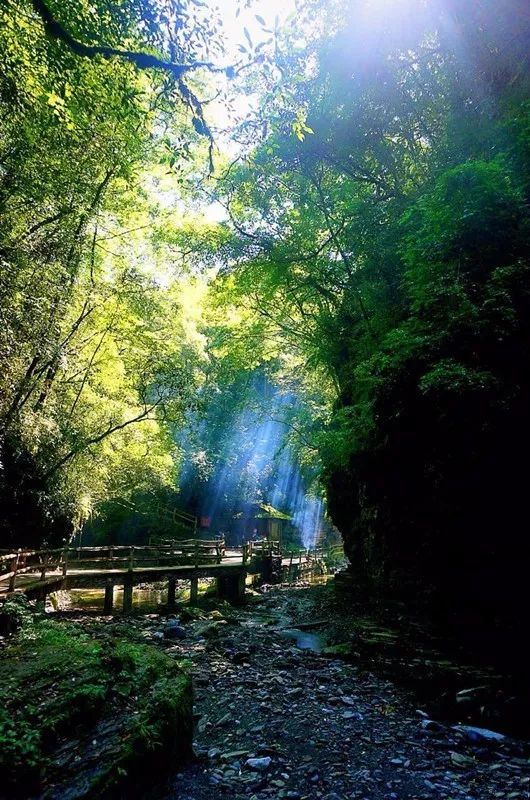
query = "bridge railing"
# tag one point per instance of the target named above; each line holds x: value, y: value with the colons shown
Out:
x: 172, y: 553
x: 175, y: 553
x: 23, y: 562
x: 57, y: 561
x: 262, y: 548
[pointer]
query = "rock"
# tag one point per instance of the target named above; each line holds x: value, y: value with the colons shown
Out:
x: 459, y: 760
x: 432, y: 726
x: 471, y: 695
x: 343, y: 650
x: 261, y: 764
x: 352, y: 715
x: 173, y: 630
x: 211, y: 630
x: 190, y: 614
x: 479, y: 735
x: 234, y: 755
x: 240, y: 657
x: 298, y: 692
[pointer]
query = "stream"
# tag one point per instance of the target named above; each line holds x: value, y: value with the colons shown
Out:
x: 314, y: 617
x: 299, y: 695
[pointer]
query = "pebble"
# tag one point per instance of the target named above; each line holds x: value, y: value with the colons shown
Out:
x: 294, y: 725
x: 261, y: 764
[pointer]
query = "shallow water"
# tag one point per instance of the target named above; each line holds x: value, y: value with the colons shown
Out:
x: 144, y: 599
x: 305, y: 640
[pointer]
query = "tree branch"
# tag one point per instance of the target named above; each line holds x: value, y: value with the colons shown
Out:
x: 96, y: 439
x: 56, y: 30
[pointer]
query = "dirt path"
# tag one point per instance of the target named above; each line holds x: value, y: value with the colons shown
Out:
x: 317, y: 728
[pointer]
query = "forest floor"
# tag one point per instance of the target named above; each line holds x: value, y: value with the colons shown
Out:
x: 276, y: 719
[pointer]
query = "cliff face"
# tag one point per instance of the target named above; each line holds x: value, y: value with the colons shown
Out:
x: 436, y: 511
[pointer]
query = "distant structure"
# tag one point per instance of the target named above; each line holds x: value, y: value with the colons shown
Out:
x: 269, y: 522
x: 259, y: 521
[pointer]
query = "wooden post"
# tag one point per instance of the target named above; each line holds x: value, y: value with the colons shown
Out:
x: 131, y: 558
x: 196, y: 554
x: 194, y: 590
x: 14, y: 567
x: 65, y: 562
x: 171, y: 590
x: 109, y: 596
x: 218, y: 551
x: 245, y: 554
x: 43, y: 569
x: 241, y: 584
x: 128, y: 593
x: 232, y: 587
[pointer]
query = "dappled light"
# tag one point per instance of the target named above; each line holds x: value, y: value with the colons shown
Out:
x: 264, y: 359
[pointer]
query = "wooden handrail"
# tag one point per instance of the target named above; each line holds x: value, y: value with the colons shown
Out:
x: 174, y: 553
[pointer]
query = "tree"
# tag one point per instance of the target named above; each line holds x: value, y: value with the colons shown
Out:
x: 380, y: 232
x: 96, y: 363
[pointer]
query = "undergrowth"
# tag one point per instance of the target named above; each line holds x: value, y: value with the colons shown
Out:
x: 59, y: 682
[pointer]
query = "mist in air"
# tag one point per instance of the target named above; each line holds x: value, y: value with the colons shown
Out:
x: 234, y: 461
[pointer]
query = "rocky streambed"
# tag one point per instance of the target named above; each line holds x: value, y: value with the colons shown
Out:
x: 297, y: 699
x: 277, y: 716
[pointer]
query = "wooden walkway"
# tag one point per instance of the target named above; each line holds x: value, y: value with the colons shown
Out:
x: 37, y: 573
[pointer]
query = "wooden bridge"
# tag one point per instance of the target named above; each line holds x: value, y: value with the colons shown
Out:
x: 36, y: 573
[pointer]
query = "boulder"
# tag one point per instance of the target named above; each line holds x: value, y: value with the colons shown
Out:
x: 174, y: 630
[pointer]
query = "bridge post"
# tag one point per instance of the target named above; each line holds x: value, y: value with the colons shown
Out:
x: 14, y: 567
x: 194, y: 590
x: 127, y: 593
x: 109, y: 596
x: 171, y: 590
x: 232, y: 587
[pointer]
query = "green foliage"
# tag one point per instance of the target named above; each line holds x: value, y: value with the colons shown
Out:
x: 373, y: 257
x: 99, y: 358
x: 473, y: 217
x: 56, y: 679
x: 386, y: 254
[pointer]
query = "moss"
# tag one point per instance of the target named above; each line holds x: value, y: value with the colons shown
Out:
x: 120, y: 703
x: 343, y: 650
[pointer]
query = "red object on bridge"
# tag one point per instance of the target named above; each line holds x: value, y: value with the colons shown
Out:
x: 206, y: 522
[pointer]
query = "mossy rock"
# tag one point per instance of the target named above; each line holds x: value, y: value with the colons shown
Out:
x: 343, y: 650
x: 190, y: 614
x: 80, y: 715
